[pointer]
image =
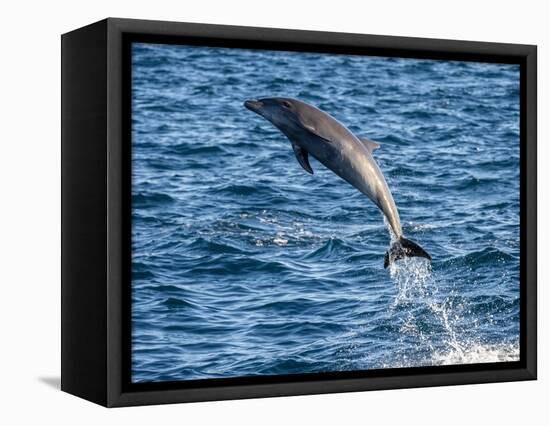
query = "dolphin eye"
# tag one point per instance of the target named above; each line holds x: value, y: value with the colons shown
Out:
x: 286, y: 104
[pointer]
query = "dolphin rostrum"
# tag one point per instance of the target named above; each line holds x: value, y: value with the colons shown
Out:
x: 312, y: 131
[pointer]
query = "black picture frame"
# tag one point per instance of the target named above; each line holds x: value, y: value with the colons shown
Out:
x: 96, y: 225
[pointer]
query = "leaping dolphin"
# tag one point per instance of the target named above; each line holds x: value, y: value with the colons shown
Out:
x: 312, y: 131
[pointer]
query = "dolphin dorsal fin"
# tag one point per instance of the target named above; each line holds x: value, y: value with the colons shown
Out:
x: 370, y: 145
x: 302, y: 157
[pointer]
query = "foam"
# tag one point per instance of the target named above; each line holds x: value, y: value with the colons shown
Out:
x: 477, y: 353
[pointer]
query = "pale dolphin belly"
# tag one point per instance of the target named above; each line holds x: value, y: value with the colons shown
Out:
x: 350, y: 160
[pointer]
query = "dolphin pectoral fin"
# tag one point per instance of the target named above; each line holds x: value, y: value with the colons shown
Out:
x: 302, y: 157
x: 370, y: 145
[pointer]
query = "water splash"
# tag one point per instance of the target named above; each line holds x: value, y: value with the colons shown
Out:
x: 455, y: 341
x: 413, y: 277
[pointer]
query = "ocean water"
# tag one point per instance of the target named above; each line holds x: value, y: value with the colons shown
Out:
x: 243, y: 264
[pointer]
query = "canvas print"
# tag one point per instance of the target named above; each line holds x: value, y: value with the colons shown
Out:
x: 298, y: 212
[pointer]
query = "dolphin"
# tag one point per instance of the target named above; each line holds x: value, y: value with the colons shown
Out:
x: 314, y: 132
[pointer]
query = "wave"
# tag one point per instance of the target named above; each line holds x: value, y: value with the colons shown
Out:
x: 212, y: 248
x: 175, y: 303
x: 163, y: 288
x: 188, y: 149
x: 289, y: 329
x: 334, y: 247
x: 142, y: 275
x: 492, y: 304
x: 406, y: 171
x: 303, y: 305
x: 243, y: 190
x: 229, y: 266
x: 477, y: 259
x: 294, y: 365
x: 472, y: 182
x: 151, y: 199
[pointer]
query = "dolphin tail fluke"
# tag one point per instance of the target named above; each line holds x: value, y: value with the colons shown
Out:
x: 404, y: 248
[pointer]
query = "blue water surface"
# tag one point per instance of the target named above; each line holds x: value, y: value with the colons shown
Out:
x: 244, y: 264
